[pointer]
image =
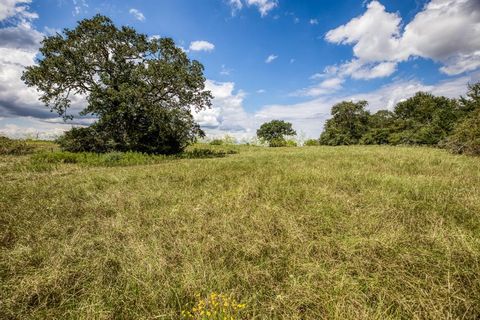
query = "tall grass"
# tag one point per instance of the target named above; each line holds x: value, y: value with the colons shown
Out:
x: 288, y: 233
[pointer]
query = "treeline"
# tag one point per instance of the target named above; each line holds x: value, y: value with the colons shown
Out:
x: 423, y: 119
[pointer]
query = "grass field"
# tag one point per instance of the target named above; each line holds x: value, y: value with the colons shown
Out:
x: 282, y: 233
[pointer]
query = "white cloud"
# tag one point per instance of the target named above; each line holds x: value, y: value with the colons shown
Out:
x: 264, y: 6
x: 271, y: 58
x: 18, y: 49
x: 201, y: 45
x: 16, y: 9
x: 227, y: 115
x: 446, y: 31
x: 260, y: 91
x: 78, y: 6
x: 313, y: 21
x: 137, y: 14
x: 236, y: 5
x: 325, y: 87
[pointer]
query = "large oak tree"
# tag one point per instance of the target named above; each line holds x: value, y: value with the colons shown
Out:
x: 141, y: 89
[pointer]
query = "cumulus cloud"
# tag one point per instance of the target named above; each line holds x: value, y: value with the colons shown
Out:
x: 19, y: 43
x: 201, y: 45
x: 446, y: 31
x: 227, y: 115
x: 16, y: 9
x: 313, y: 21
x: 137, y: 14
x: 271, y: 58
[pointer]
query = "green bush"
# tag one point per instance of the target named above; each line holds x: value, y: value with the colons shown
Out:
x: 14, y: 147
x: 465, y: 138
x: 311, y: 143
x: 216, y: 142
x: 275, y: 143
x: 291, y: 143
x: 85, y: 140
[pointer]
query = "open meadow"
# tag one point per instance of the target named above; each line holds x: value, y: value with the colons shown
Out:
x: 277, y: 233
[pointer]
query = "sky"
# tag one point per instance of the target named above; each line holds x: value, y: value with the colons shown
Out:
x: 264, y: 59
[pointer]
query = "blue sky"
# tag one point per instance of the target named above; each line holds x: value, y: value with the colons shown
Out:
x: 266, y: 59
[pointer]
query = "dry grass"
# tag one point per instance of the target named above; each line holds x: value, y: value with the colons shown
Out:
x: 292, y: 233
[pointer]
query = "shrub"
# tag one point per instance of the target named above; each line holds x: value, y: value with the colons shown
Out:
x: 291, y: 143
x: 465, y: 138
x: 274, y: 143
x: 216, y: 142
x: 311, y: 143
x: 14, y: 147
x: 84, y: 140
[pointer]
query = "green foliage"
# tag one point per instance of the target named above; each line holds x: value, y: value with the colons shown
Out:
x: 423, y: 119
x: 274, y: 132
x: 277, y: 142
x: 348, y: 124
x: 472, y: 101
x: 311, y: 143
x: 226, y: 140
x: 141, y: 89
x: 291, y: 143
x: 216, y: 142
x: 14, y: 147
x: 85, y: 140
x: 465, y: 138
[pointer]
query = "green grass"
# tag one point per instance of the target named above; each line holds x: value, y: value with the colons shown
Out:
x: 292, y: 233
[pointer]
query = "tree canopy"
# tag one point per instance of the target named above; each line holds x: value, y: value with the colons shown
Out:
x: 423, y: 119
x: 348, y: 123
x: 274, y: 132
x: 142, y: 90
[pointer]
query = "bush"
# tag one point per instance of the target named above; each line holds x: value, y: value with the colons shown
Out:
x: 311, y: 143
x: 216, y: 142
x: 275, y: 143
x: 14, y: 147
x: 465, y: 138
x: 291, y: 143
x: 84, y: 140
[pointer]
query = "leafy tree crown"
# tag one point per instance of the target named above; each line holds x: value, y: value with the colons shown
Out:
x: 133, y: 84
x: 275, y: 130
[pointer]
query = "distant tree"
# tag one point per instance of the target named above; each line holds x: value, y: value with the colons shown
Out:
x: 274, y: 132
x: 379, y: 128
x: 472, y: 101
x: 465, y: 138
x: 141, y: 89
x: 424, y: 119
x: 311, y: 142
x: 349, y: 122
